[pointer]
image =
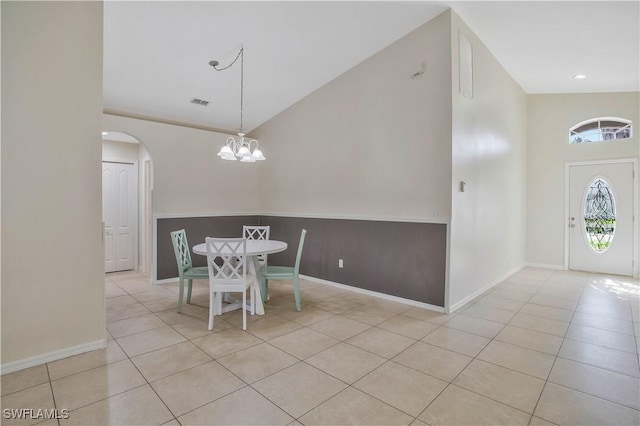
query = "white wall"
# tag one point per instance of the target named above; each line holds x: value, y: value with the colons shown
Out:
x: 52, y: 273
x: 114, y: 150
x: 549, y: 118
x: 373, y: 143
x: 189, y: 178
x: 487, y: 240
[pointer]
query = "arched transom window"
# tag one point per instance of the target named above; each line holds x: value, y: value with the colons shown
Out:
x: 600, y: 129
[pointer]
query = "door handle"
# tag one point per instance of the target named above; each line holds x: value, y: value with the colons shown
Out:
x: 572, y: 225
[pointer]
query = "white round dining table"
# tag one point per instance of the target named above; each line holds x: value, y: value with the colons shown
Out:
x: 253, y: 249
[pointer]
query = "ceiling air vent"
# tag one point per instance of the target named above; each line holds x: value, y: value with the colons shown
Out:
x: 199, y: 102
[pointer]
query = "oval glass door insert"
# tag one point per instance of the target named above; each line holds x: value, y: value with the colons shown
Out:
x: 599, y: 215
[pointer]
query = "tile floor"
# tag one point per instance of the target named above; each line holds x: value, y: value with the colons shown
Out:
x: 543, y: 347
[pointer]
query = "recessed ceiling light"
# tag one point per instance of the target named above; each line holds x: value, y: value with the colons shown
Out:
x: 105, y: 133
x: 579, y: 77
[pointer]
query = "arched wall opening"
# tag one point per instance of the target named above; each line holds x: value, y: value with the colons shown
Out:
x: 123, y: 151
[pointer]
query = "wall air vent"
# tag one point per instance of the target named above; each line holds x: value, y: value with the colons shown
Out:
x: 199, y: 102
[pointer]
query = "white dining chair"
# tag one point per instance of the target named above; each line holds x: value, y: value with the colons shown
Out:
x: 257, y: 233
x: 229, y: 275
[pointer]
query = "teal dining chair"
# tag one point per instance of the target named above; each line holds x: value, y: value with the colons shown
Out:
x: 284, y: 273
x: 186, y: 270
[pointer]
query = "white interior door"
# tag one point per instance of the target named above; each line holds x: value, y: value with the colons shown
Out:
x: 600, y: 218
x: 119, y: 215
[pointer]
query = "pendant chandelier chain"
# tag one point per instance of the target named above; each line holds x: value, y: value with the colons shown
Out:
x: 240, y: 56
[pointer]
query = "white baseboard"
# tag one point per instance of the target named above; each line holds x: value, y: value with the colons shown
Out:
x: 374, y: 294
x: 51, y: 356
x: 546, y: 266
x: 484, y: 289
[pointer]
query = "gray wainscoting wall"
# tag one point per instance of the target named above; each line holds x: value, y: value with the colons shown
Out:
x: 404, y: 259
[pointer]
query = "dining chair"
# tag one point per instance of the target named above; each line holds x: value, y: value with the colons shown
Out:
x: 284, y: 273
x: 257, y: 233
x: 229, y: 275
x: 186, y: 270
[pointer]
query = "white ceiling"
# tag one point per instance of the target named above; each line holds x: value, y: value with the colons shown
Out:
x: 156, y: 53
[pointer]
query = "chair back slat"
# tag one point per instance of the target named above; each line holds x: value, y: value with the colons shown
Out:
x: 231, y: 251
x: 257, y: 233
x: 299, y: 255
x: 181, y: 250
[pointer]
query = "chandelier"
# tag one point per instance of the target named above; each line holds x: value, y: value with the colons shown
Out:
x: 239, y: 148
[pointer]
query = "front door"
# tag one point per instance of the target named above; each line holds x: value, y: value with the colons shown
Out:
x: 119, y: 215
x: 601, y: 218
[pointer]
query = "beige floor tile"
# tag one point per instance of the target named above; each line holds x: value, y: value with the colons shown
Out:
x: 531, y: 339
x: 307, y: 316
x: 565, y: 406
x: 545, y: 299
x: 304, y: 342
x: 501, y: 384
x: 140, y: 406
x: 195, y: 328
x: 120, y: 301
x: 477, y: 326
x: 533, y: 363
x: 610, y: 311
x: 170, y: 360
x: 148, y: 341
x: 537, y: 421
x: 257, y: 362
x: 457, y: 341
x: 124, y: 312
x: 428, y: 315
x: 543, y: 325
x: 614, y: 387
x: 418, y: 422
x: 195, y: 387
x: 381, y: 342
x: 162, y: 305
x: 339, y: 327
x: 243, y: 407
x: 522, y: 287
x: 603, y: 323
x: 225, y: 342
x: 457, y: 406
x: 156, y: 293
x: 352, y: 407
x: 189, y: 312
x: 401, y: 387
x: 113, y: 290
x: 547, y: 312
x: 134, y: 325
x: 35, y: 398
x: 93, y: 385
x: 299, y: 388
x: 535, y: 273
x: 505, y: 293
x: 173, y: 422
x: 86, y: 361
x: 496, y: 302
x: 23, y: 379
x: 489, y: 313
x: 599, y: 356
x: 388, y: 305
x: 337, y: 305
x: 272, y: 327
x: 408, y: 327
x: 369, y: 315
x: 346, y: 362
x: 596, y: 336
x: 435, y: 361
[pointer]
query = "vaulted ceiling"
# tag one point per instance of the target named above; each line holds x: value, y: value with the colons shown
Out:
x: 156, y: 53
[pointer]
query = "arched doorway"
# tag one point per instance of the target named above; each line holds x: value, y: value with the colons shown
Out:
x: 127, y: 165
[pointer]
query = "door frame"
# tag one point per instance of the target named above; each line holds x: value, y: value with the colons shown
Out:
x: 135, y: 203
x: 567, y: 166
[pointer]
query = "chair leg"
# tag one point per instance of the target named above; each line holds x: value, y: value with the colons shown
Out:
x: 190, y: 282
x: 266, y: 289
x: 212, y: 307
x: 244, y: 310
x: 253, y: 299
x: 181, y: 295
x: 296, y: 292
x: 263, y: 290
